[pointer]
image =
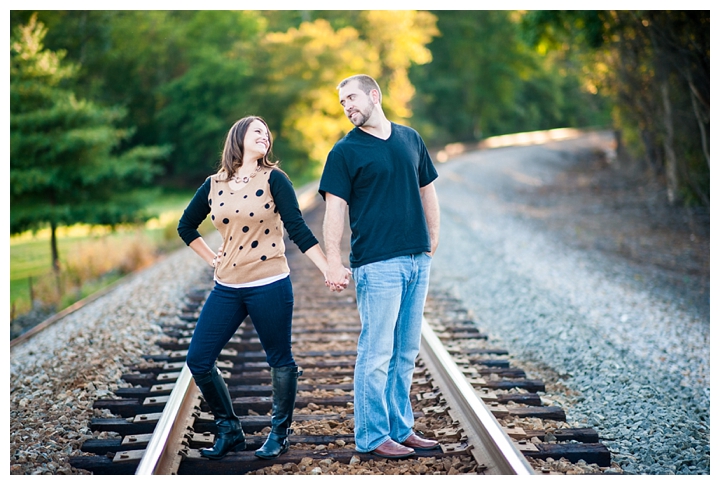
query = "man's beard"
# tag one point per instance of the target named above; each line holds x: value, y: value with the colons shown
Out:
x: 364, y: 115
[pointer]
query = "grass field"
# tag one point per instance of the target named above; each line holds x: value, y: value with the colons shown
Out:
x: 91, y: 257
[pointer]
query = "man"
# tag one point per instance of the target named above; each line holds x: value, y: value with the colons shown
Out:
x: 382, y: 173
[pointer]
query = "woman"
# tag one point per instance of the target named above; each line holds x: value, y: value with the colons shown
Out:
x: 250, y: 201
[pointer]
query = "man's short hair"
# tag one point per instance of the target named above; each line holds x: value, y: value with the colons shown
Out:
x: 365, y: 83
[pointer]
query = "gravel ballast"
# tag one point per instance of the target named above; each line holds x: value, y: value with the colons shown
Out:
x: 57, y: 375
x: 628, y: 342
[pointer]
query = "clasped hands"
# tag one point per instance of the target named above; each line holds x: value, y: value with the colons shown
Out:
x: 337, y: 278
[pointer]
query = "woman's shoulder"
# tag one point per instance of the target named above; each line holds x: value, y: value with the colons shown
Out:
x: 277, y: 171
x: 220, y: 176
x: 278, y: 175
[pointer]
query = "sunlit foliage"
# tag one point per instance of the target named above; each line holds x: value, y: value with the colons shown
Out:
x: 64, y: 163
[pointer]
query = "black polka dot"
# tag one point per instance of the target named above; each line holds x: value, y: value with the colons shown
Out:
x: 240, y: 248
x: 213, y: 217
x: 222, y: 204
x: 234, y: 264
x: 252, y: 214
x: 254, y: 244
x: 224, y: 254
x: 237, y: 211
x: 267, y: 206
x: 226, y: 220
x: 263, y: 258
x: 209, y: 201
x: 267, y: 231
x: 220, y: 193
x: 261, y: 222
x: 275, y: 211
x: 245, y: 197
x: 273, y: 244
x: 231, y: 238
x: 259, y: 192
x: 245, y: 229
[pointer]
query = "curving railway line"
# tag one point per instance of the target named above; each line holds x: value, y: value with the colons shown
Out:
x: 466, y: 394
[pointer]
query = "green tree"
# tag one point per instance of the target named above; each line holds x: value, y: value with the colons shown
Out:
x: 485, y: 80
x: 211, y: 90
x: 655, y: 67
x: 478, y: 64
x: 64, y: 164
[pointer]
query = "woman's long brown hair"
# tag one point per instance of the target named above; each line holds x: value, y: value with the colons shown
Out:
x: 232, y: 155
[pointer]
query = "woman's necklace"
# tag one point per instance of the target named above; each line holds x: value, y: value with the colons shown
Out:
x: 246, y: 178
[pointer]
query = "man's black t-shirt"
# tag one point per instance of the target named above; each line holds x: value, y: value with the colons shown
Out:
x: 380, y: 180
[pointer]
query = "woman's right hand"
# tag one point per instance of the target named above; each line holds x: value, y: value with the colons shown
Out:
x: 217, y: 258
x: 337, y: 278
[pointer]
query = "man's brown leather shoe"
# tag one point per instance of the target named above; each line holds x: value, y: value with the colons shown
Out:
x: 392, y: 449
x: 418, y: 443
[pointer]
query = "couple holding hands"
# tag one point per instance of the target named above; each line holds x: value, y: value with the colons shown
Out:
x: 381, y: 173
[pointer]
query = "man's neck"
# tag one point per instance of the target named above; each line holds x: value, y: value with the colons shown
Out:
x: 382, y: 129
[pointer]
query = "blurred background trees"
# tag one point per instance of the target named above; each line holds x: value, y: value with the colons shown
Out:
x: 485, y: 80
x: 654, y: 69
x: 65, y: 165
x: 179, y: 79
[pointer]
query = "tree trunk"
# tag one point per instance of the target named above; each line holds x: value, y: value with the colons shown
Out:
x: 671, y: 168
x: 702, y: 119
x: 55, y: 256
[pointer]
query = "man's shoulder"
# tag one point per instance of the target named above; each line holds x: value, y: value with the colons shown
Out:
x: 345, y: 146
x: 405, y: 130
x: 349, y: 138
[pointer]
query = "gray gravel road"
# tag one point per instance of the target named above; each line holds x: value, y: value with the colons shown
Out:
x: 629, y: 353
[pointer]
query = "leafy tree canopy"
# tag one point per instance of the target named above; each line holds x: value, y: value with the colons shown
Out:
x: 64, y: 164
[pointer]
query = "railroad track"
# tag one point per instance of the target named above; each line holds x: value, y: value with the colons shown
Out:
x: 466, y: 394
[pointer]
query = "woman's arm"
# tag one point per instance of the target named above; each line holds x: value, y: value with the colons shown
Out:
x: 286, y: 202
x: 287, y: 206
x: 317, y: 256
x: 202, y: 249
x: 194, y: 214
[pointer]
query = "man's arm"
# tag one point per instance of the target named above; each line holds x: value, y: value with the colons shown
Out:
x: 432, y: 214
x: 333, y: 226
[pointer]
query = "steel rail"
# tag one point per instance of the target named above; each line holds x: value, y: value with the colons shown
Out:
x: 490, y: 444
x: 161, y: 456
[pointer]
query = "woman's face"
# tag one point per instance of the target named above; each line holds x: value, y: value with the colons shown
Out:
x: 257, y: 139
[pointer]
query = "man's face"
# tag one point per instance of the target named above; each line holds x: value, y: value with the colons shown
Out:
x: 358, y: 106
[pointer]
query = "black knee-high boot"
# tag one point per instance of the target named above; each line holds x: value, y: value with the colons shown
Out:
x: 230, y: 436
x: 284, y: 389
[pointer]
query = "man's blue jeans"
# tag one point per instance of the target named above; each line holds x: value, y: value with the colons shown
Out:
x: 391, y: 299
x: 270, y: 307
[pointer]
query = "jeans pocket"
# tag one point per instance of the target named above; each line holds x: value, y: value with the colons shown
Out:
x: 358, y: 274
